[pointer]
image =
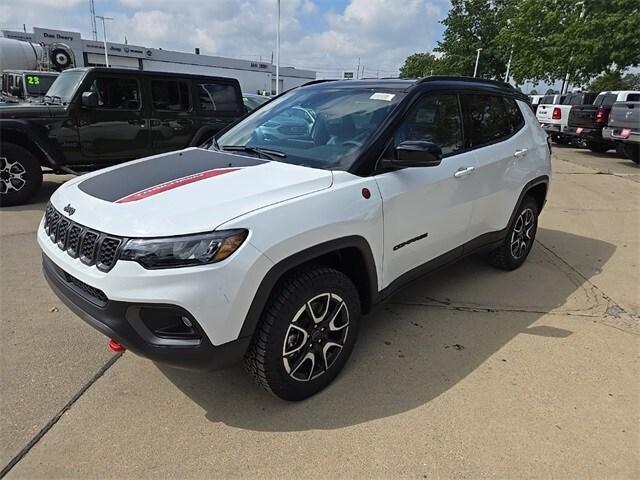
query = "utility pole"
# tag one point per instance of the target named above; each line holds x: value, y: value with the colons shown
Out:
x: 358, y: 70
x: 94, y: 28
x: 475, y: 70
x: 278, y: 53
x: 104, y: 38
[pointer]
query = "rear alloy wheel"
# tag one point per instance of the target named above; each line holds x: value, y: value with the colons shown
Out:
x: 20, y: 175
x: 520, y: 237
x: 306, y: 333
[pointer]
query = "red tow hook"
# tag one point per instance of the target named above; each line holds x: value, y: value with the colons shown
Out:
x: 115, y: 346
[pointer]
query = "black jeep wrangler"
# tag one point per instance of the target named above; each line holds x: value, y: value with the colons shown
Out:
x: 95, y: 117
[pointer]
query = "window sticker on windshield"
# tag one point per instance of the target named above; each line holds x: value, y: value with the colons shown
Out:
x: 387, y: 97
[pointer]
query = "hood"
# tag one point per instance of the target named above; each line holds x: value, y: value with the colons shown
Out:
x: 29, y: 110
x: 184, y: 192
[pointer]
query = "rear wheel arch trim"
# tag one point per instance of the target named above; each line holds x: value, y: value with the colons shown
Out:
x: 277, y: 271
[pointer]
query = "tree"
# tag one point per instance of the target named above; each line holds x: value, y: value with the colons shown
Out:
x: 421, y: 65
x: 614, y: 81
x: 553, y: 37
x: 470, y: 25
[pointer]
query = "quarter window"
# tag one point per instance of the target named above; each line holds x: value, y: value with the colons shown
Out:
x: 490, y: 119
x: 217, y: 97
x: 117, y: 93
x: 633, y: 97
x: 170, y: 95
x: 435, y: 119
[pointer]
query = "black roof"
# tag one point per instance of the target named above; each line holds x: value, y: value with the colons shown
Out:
x: 139, y: 73
x: 408, y: 84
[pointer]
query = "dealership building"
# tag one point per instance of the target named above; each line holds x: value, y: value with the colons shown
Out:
x: 253, y: 76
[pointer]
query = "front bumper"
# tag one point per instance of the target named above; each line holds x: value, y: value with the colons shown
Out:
x: 214, y: 298
x: 121, y: 321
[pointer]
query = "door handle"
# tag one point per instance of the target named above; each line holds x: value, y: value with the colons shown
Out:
x: 464, y: 171
x: 520, y: 153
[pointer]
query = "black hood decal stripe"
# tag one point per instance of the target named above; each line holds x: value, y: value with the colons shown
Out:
x: 129, y: 180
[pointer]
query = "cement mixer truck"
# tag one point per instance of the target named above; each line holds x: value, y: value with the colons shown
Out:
x: 28, y: 69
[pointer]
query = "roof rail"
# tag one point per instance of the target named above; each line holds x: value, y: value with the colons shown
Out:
x: 324, y: 80
x: 435, y: 78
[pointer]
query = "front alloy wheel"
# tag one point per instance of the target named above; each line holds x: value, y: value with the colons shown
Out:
x: 515, y: 248
x: 306, y: 333
x: 316, y: 337
x: 12, y: 176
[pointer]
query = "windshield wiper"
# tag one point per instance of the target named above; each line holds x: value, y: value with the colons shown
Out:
x: 267, y: 152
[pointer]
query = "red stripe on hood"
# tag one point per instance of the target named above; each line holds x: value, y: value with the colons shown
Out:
x: 178, y: 182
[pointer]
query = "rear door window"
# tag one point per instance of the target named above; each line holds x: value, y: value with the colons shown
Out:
x: 218, y: 97
x: 170, y: 95
x: 490, y: 118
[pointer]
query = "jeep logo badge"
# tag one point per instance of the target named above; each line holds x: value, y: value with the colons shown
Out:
x: 69, y: 209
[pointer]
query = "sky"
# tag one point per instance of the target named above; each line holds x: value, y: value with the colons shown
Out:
x: 329, y: 36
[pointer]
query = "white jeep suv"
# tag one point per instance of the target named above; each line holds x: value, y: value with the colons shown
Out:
x: 270, y: 243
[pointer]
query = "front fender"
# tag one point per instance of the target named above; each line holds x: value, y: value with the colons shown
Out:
x: 34, y: 138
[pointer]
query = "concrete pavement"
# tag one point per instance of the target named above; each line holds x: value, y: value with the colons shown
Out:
x: 469, y: 373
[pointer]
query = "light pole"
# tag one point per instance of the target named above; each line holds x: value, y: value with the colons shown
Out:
x: 104, y: 38
x: 506, y: 77
x: 278, y: 53
x: 565, y: 83
x: 475, y: 70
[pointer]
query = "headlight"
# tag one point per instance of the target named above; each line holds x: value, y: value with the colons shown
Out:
x: 184, y: 251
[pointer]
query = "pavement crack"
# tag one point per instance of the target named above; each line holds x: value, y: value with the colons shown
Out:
x: 43, y: 431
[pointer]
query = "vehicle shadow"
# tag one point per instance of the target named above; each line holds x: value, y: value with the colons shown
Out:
x: 416, y: 346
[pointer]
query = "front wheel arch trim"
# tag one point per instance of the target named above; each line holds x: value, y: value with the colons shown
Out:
x: 281, y: 268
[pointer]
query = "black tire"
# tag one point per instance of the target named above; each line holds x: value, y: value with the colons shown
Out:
x: 597, y: 147
x: 578, y: 142
x: 632, y: 151
x: 561, y: 139
x: 20, y: 175
x: 288, y: 322
x: 510, y: 256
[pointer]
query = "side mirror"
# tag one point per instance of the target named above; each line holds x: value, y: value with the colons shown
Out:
x: 16, y: 92
x: 417, y: 154
x: 89, y: 99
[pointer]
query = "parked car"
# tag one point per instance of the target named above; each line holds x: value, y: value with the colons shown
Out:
x: 95, y: 117
x: 253, y: 101
x: 624, y: 128
x: 535, y: 101
x: 553, y: 118
x: 587, y: 121
x: 270, y: 250
x: 26, y: 85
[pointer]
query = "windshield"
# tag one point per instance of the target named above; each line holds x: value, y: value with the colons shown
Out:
x: 37, y: 84
x: 65, y: 86
x: 321, y: 128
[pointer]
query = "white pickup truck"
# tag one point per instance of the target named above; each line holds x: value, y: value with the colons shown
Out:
x: 553, y: 113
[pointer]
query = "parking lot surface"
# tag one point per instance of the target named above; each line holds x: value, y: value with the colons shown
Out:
x: 470, y: 372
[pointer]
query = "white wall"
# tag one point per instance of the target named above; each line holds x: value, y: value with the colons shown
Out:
x: 250, y: 81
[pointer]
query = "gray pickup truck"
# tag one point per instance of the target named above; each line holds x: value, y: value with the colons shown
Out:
x: 623, y: 127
